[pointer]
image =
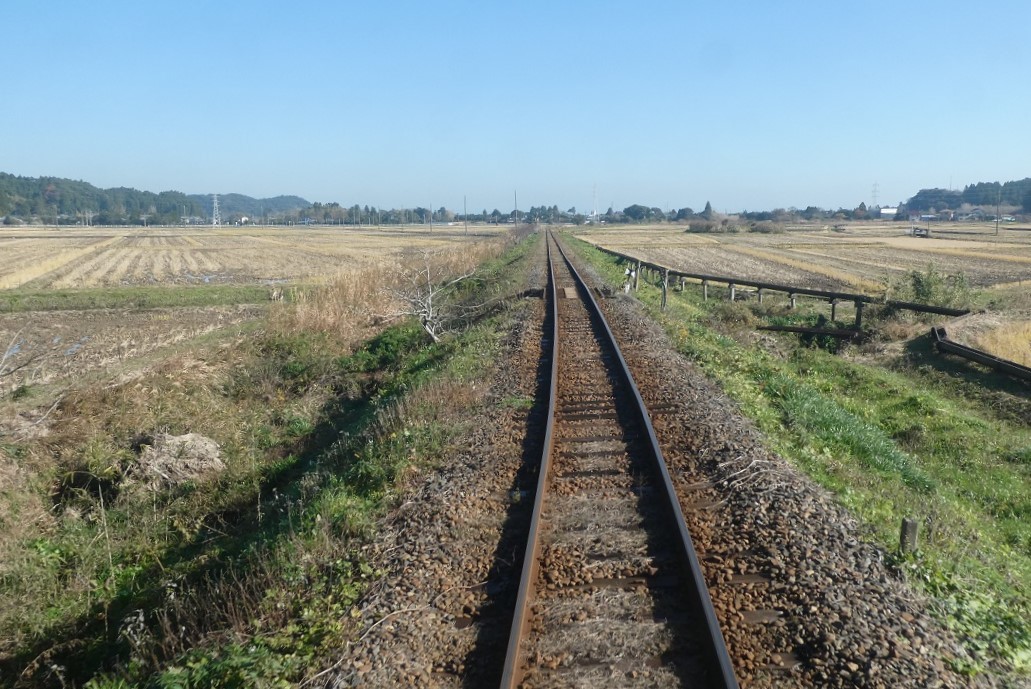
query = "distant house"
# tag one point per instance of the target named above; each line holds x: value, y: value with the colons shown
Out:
x: 974, y: 215
x: 889, y: 213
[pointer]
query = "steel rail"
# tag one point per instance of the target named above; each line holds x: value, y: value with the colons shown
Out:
x: 698, y: 590
x: 511, y: 675
x: 947, y: 346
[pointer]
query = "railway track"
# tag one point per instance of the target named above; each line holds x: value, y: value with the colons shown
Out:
x: 611, y: 592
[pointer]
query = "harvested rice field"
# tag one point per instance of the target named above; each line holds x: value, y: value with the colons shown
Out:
x: 851, y: 257
x: 85, y: 300
x: 48, y: 258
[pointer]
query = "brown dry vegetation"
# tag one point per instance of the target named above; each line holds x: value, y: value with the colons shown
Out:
x: 352, y: 302
x: 1010, y: 341
x: 90, y: 257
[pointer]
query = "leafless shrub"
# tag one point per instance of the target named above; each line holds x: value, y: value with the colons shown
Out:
x: 757, y: 474
x: 426, y: 286
x: 23, y: 361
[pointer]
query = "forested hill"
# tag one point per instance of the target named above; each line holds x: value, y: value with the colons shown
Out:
x: 69, y: 202
x: 238, y: 204
x: 981, y: 194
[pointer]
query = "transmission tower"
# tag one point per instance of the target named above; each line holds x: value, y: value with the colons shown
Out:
x: 216, y: 217
x: 876, y: 188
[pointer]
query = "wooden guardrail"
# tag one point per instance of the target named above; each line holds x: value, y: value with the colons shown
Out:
x: 926, y: 308
x: 846, y: 334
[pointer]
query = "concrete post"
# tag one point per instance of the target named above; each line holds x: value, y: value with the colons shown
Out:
x: 908, y: 536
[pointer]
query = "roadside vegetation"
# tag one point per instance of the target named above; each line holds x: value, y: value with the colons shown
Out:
x: 907, y: 436
x: 244, y: 572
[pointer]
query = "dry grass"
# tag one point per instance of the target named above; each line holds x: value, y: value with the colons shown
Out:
x: 1010, y: 341
x: 53, y: 263
x: 80, y: 258
x: 612, y: 628
x: 352, y: 303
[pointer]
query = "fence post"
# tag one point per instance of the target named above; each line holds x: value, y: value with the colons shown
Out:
x: 760, y: 292
x: 792, y: 297
x: 733, y: 290
x: 834, y: 310
x: 907, y: 536
x: 859, y: 314
x: 637, y: 275
x: 665, y: 288
x: 705, y: 290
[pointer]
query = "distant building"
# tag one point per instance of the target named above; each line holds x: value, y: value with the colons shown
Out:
x: 889, y: 213
x: 976, y: 214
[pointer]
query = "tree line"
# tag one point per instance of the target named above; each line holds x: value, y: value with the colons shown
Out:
x: 70, y: 202
x: 982, y: 194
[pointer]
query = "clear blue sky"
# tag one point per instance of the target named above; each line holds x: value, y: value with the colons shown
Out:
x: 749, y: 105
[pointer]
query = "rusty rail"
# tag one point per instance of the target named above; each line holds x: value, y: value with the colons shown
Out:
x: 528, y: 577
x: 719, y: 657
x: 947, y: 346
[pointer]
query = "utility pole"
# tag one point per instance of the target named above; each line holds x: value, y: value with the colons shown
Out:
x: 998, y: 202
x: 465, y: 214
x: 515, y: 202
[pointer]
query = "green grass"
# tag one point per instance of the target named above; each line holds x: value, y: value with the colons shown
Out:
x: 890, y: 444
x: 135, y: 297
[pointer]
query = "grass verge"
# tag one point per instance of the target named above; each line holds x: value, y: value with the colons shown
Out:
x: 246, y: 577
x: 890, y: 444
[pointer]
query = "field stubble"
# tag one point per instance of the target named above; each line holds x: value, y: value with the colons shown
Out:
x: 82, y: 258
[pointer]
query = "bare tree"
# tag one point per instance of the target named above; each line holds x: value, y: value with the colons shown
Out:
x: 426, y: 288
x: 24, y: 359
